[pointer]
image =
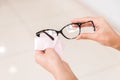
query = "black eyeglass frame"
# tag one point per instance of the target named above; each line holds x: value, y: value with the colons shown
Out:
x: 79, y: 26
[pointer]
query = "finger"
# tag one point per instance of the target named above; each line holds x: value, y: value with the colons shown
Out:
x: 87, y: 24
x: 75, y: 26
x: 90, y: 36
x: 85, y: 19
x: 49, y: 49
x: 39, y: 52
x: 39, y: 56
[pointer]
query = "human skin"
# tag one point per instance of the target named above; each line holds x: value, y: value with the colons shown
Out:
x: 104, y: 33
x: 52, y: 62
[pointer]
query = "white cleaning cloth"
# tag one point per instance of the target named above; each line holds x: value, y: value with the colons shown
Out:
x: 43, y: 42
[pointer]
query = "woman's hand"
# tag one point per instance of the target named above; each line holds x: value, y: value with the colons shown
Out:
x: 51, y: 61
x: 104, y: 33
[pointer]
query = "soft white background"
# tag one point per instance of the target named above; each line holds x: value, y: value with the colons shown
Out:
x: 20, y: 19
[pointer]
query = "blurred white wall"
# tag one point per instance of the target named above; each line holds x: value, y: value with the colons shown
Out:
x: 110, y: 9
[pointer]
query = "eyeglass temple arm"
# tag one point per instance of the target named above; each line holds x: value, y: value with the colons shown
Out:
x: 47, y: 35
x: 92, y: 24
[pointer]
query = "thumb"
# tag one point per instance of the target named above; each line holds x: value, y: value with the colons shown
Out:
x: 49, y: 50
x: 90, y: 36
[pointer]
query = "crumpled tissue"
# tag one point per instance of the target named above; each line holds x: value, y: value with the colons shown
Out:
x: 43, y: 42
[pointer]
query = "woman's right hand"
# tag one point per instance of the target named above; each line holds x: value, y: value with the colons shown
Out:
x: 104, y: 33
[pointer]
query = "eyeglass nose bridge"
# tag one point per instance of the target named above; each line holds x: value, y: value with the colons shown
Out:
x: 60, y: 32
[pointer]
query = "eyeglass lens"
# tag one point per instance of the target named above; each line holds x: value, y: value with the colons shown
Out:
x: 71, y: 31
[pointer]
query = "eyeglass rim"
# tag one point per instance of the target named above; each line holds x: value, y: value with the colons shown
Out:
x: 79, y: 24
x: 43, y: 31
x: 67, y: 26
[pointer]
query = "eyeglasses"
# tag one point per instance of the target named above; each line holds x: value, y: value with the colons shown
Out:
x: 70, y: 31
